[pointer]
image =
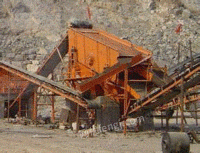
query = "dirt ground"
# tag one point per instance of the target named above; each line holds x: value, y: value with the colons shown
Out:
x: 16, y: 138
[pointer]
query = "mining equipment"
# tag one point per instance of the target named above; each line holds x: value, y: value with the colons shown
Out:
x: 101, y: 73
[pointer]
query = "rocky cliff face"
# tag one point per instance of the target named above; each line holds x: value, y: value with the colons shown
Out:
x: 30, y: 29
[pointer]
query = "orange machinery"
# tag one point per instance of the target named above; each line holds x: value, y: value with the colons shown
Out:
x: 10, y: 83
x: 101, y: 64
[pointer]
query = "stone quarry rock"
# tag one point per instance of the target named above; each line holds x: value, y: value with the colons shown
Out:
x: 152, y: 5
x: 32, y: 67
x: 17, y: 63
x: 20, y: 8
x: 42, y: 51
x: 31, y: 57
x: 192, y: 5
x: 53, y: 38
x: 10, y: 55
x: 178, y: 11
x: 35, y: 62
x: 186, y: 14
x: 19, y: 58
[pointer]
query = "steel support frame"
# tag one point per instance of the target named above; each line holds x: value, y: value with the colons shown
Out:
x: 176, y: 102
x: 125, y: 98
x: 35, y: 104
x: 176, y: 82
x: 34, y: 113
x: 104, y: 76
x: 46, y: 86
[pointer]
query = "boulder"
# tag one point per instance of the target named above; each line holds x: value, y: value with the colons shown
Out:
x: 152, y: 5
x: 19, y: 57
x: 10, y: 55
x: 17, y: 63
x: 178, y: 11
x: 32, y: 67
x: 20, y: 8
x: 192, y: 5
x: 186, y: 14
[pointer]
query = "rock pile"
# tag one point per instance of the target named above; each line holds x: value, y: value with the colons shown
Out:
x: 151, y: 24
x: 30, y: 29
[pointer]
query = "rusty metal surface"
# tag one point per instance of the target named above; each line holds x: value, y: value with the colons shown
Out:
x: 10, y: 83
x: 177, y: 103
x: 35, y: 76
x: 45, y: 83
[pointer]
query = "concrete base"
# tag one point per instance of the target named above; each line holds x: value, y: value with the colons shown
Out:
x: 146, y: 121
x: 108, y: 117
x: 1, y: 109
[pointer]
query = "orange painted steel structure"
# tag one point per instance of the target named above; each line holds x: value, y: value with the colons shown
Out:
x: 45, y: 83
x: 11, y: 85
x: 47, y: 67
x: 177, y: 102
x: 91, y: 50
x: 10, y: 82
x: 100, y: 64
x: 96, y: 61
x: 190, y: 97
x: 102, y: 58
x: 191, y: 78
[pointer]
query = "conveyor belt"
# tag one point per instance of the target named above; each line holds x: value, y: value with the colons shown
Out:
x: 98, y: 78
x: 166, y: 93
x: 45, y: 83
x: 52, y: 60
x: 47, y: 67
x: 183, y: 65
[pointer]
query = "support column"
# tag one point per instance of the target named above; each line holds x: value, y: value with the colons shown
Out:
x: 177, y: 115
x: 125, y: 97
x: 161, y: 119
x: 20, y: 107
x: 77, y: 118
x: 196, y: 115
x: 52, y: 109
x: 8, y: 113
x: 53, y: 97
x: 35, y: 106
x: 181, y: 106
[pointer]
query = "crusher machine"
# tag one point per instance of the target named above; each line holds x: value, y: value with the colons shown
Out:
x: 104, y: 75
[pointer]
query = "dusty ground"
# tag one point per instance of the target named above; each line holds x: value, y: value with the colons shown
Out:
x: 17, y: 138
